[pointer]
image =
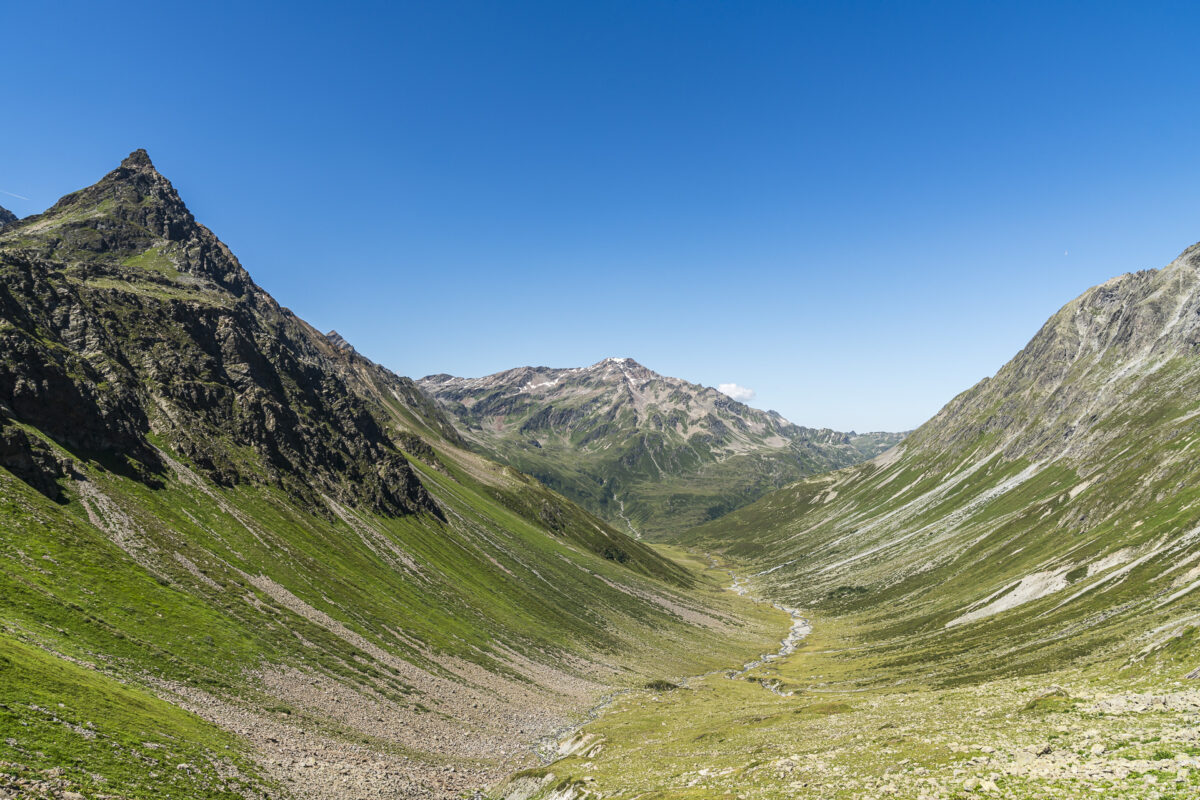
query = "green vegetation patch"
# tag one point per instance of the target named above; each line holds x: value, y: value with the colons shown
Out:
x: 1056, y: 701
x: 153, y: 260
x: 98, y: 736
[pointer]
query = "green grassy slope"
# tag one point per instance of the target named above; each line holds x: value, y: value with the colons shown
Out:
x: 847, y: 729
x: 1052, y: 507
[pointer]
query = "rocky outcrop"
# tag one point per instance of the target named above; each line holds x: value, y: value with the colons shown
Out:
x: 340, y: 343
x: 31, y: 460
x: 6, y: 217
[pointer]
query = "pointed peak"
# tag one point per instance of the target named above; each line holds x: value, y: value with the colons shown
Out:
x: 622, y: 362
x: 626, y: 364
x: 622, y: 369
x: 7, y: 217
x: 339, y: 342
x: 135, y: 192
x: 139, y: 159
x: 132, y: 209
x: 138, y: 170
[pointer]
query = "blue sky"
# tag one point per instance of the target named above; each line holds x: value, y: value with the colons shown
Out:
x: 855, y: 209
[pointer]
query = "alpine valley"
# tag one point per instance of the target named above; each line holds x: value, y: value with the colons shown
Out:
x: 239, y: 559
x: 1003, y: 605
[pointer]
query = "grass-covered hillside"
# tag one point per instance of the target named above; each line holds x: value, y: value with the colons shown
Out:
x: 238, y: 558
x: 651, y: 454
x: 1054, y: 507
x: 1004, y: 605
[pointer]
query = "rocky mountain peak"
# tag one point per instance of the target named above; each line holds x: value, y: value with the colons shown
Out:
x: 134, y: 215
x: 628, y: 432
x: 6, y: 217
x: 119, y: 318
x: 626, y: 367
x: 137, y: 182
x: 138, y: 159
x: 623, y: 361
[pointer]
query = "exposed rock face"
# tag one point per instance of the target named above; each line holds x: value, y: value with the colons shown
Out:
x: 31, y: 460
x: 337, y: 341
x: 1088, y: 362
x: 121, y: 317
x: 645, y: 450
x: 6, y: 217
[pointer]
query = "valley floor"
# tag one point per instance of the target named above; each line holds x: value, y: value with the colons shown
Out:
x: 844, y: 725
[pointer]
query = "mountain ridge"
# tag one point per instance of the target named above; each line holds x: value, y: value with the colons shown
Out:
x: 653, y: 452
x: 1061, y: 489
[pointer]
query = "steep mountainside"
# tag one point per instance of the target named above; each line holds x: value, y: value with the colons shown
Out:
x: 1053, y: 508
x: 652, y: 453
x: 237, y: 555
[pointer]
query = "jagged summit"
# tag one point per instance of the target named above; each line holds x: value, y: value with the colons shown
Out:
x: 133, y: 218
x: 624, y: 361
x: 138, y: 159
x: 155, y: 330
x: 135, y: 176
x: 6, y: 217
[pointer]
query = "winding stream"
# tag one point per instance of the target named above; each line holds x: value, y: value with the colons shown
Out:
x: 801, y: 628
x: 550, y: 746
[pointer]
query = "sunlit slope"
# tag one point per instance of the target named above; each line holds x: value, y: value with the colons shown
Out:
x: 205, y: 499
x: 1046, y: 514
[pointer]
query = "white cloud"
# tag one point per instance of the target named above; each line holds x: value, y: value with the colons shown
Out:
x: 740, y: 393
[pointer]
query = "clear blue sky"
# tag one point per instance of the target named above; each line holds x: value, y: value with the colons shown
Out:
x: 855, y: 209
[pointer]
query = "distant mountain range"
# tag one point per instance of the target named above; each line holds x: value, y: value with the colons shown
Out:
x: 651, y: 453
